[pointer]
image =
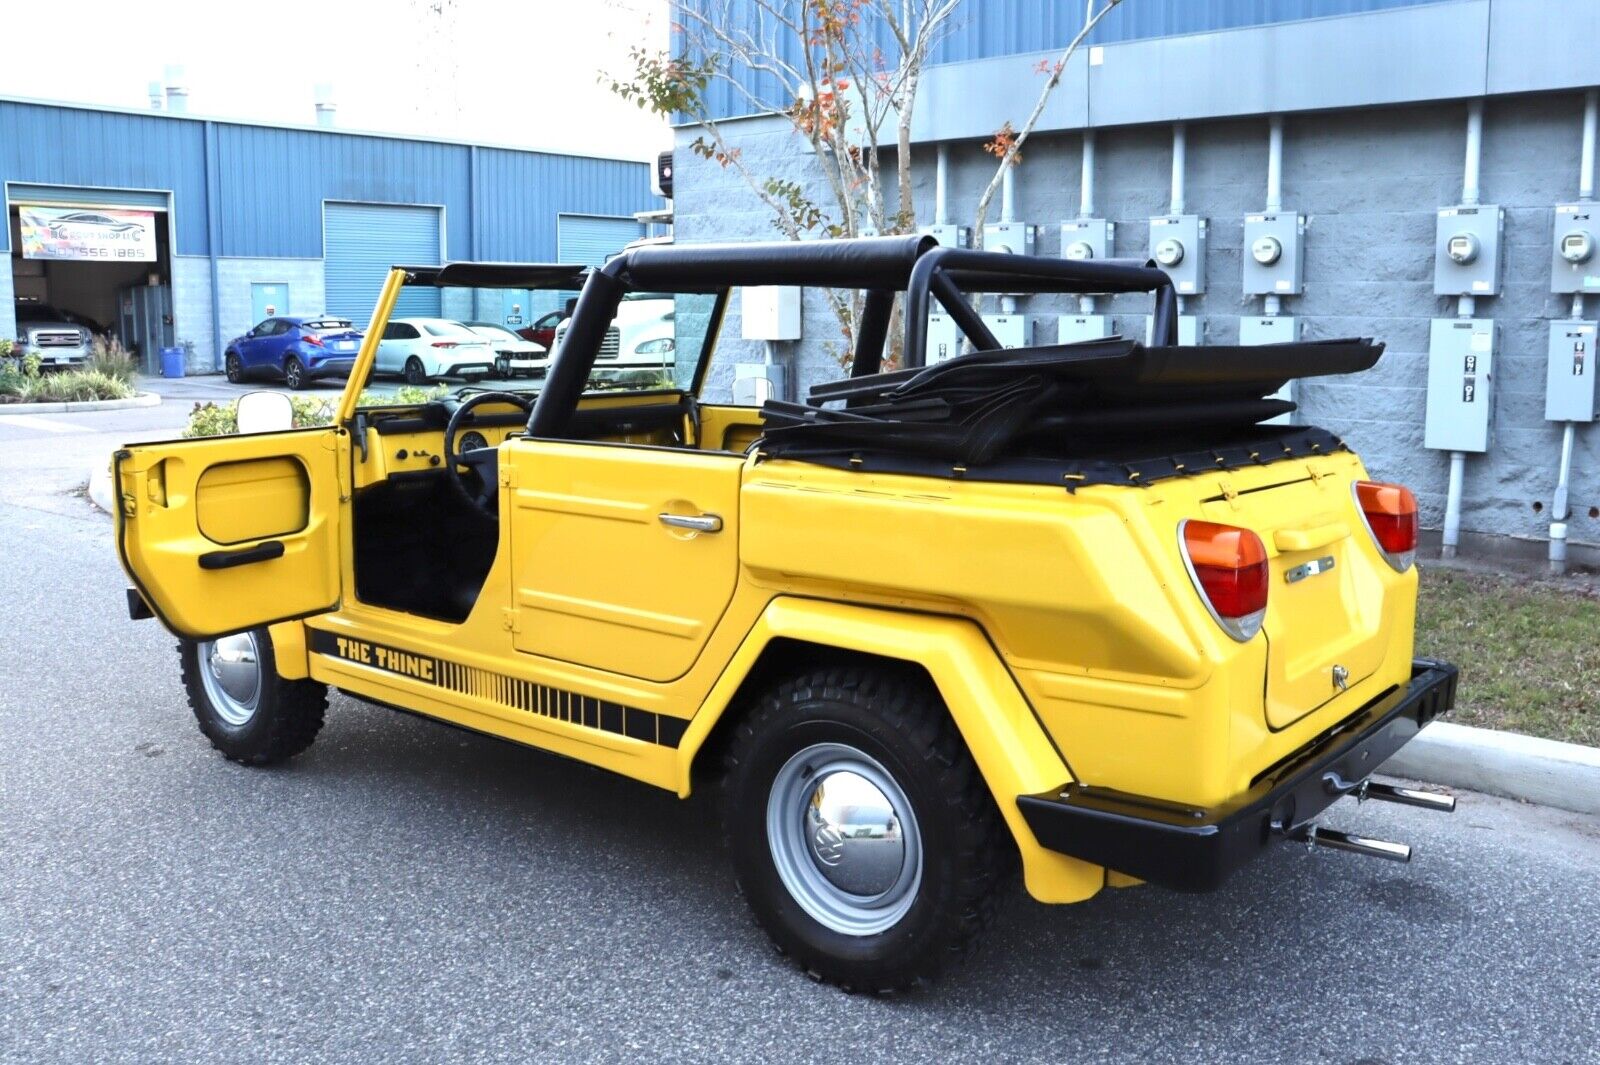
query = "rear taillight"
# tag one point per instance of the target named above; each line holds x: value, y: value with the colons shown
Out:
x: 445, y: 343
x: 312, y: 339
x: 1391, y: 514
x: 1229, y: 568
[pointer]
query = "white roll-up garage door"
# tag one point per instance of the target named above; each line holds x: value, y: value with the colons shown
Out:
x: 361, y: 241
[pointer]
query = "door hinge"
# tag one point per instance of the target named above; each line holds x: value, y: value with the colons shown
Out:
x: 510, y: 620
x: 508, y: 477
x: 1228, y: 492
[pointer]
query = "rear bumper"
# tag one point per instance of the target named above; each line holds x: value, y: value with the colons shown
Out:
x: 463, y: 369
x: 335, y: 367
x: 1190, y: 849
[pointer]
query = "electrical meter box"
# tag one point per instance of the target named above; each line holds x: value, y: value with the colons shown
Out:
x: 1575, y: 248
x: 1013, y: 237
x: 1088, y: 238
x: 1071, y: 328
x: 769, y: 312
x: 1273, y: 329
x: 754, y: 383
x: 1178, y: 245
x: 944, y: 339
x: 1466, y: 253
x: 1569, y: 389
x: 1273, y: 259
x: 1460, y: 384
x: 1188, y: 330
x: 949, y: 236
x: 1012, y: 330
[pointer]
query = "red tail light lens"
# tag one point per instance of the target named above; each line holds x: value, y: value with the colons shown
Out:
x: 445, y: 343
x: 312, y: 339
x: 1391, y: 514
x: 1229, y: 568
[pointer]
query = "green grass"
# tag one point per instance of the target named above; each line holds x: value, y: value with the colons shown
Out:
x: 1529, y: 650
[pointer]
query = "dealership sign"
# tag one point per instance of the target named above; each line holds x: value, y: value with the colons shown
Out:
x: 88, y: 233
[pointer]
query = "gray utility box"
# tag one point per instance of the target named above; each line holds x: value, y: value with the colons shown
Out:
x: 1178, y: 245
x: 1466, y: 251
x: 949, y: 236
x: 1569, y: 387
x: 1189, y: 331
x: 1013, y: 237
x: 1575, y: 248
x: 944, y: 339
x: 755, y: 382
x: 1273, y: 329
x: 1460, y: 384
x: 1088, y: 238
x: 1071, y: 328
x: 1274, y: 264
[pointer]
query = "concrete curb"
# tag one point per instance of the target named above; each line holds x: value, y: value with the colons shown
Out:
x: 143, y: 399
x: 1563, y: 775
x: 100, y: 486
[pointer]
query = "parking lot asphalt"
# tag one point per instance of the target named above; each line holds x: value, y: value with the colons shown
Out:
x: 405, y: 892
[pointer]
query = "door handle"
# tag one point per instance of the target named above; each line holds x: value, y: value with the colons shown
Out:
x: 261, y: 552
x: 706, y: 523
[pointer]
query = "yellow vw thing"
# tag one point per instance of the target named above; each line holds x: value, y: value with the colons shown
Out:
x: 1080, y: 610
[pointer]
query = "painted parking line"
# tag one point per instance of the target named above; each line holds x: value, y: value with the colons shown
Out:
x: 49, y: 425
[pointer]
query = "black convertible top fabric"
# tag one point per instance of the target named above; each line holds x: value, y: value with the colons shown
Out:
x: 1106, y: 411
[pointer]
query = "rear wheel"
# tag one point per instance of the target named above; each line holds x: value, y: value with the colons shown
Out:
x: 244, y: 708
x: 294, y: 374
x: 234, y: 367
x: 415, y: 373
x: 861, y: 832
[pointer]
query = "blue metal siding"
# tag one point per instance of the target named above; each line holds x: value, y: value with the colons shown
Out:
x: 363, y: 241
x: 63, y: 146
x: 271, y: 182
x: 985, y: 29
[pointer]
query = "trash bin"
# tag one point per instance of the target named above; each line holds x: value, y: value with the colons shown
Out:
x: 171, y: 362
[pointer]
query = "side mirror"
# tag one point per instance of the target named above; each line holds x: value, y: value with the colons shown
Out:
x: 265, y: 412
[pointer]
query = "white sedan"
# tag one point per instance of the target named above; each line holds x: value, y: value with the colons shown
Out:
x: 421, y: 349
x: 513, y: 355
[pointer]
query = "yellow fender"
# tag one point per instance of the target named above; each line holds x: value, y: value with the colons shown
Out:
x: 1007, y: 742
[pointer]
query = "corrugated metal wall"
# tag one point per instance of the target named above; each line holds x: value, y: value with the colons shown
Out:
x: 271, y: 183
x: 363, y: 241
x: 983, y: 29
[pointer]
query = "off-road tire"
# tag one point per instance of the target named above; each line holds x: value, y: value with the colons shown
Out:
x: 415, y: 372
x: 287, y: 718
x: 897, y: 718
x: 234, y: 367
x: 294, y: 373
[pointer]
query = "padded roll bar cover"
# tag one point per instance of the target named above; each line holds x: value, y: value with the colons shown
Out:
x: 866, y: 262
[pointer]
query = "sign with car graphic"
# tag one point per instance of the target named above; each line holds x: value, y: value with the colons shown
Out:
x: 97, y: 234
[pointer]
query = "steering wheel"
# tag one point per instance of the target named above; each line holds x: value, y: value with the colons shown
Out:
x: 483, y: 463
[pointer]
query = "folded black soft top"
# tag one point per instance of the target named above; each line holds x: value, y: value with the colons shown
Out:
x: 1111, y: 401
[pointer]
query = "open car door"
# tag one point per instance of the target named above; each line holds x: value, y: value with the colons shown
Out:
x: 226, y: 533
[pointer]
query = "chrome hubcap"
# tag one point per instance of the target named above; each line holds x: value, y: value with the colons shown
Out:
x: 844, y: 839
x: 230, y: 671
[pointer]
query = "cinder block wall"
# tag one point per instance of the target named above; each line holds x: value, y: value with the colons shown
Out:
x: 1369, y: 182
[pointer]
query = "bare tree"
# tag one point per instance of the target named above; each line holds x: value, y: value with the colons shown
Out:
x: 844, y: 73
x: 1007, y: 142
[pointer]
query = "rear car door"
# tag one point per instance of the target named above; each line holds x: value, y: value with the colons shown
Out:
x: 395, y: 346
x: 226, y: 533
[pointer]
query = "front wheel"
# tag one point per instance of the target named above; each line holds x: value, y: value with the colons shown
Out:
x: 244, y: 708
x: 415, y: 373
x: 294, y: 374
x: 861, y: 832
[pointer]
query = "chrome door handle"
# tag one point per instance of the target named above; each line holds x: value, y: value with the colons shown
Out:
x: 706, y: 523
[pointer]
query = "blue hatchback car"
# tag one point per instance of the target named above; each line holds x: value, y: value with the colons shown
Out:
x: 299, y: 350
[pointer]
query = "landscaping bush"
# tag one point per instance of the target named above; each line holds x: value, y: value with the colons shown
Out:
x: 74, y: 386
x: 212, y: 419
x: 109, y: 357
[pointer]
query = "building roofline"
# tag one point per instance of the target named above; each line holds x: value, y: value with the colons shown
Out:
x: 75, y: 105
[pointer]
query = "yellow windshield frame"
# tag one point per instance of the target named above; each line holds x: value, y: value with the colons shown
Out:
x: 368, y: 356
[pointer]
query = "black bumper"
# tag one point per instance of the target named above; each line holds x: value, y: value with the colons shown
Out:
x: 1192, y: 849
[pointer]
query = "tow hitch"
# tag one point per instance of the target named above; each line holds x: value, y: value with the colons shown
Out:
x: 1316, y: 836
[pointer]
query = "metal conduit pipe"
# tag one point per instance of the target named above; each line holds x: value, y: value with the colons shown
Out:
x: 1086, y: 201
x: 941, y: 187
x: 1008, y: 213
x: 1466, y: 306
x: 1270, y: 303
x: 1179, y: 151
x: 1559, y: 506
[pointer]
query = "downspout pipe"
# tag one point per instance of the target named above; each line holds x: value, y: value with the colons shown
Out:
x: 1086, y: 201
x: 941, y: 187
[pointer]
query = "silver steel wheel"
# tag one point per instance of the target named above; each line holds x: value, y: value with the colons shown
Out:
x: 844, y: 839
x: 230, y: 670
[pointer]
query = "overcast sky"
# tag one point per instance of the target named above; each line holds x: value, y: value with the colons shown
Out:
x: 501, y: 71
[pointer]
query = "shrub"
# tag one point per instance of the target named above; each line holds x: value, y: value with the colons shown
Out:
x: 13, y: 382
x: 74, y: 386
x: 211, y: 419
x: 108, y: 356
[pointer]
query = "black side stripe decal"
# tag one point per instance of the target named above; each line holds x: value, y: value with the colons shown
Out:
x: 523, y: 695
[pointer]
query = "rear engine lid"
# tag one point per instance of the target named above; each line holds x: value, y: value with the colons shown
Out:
x: 1325, y: 625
